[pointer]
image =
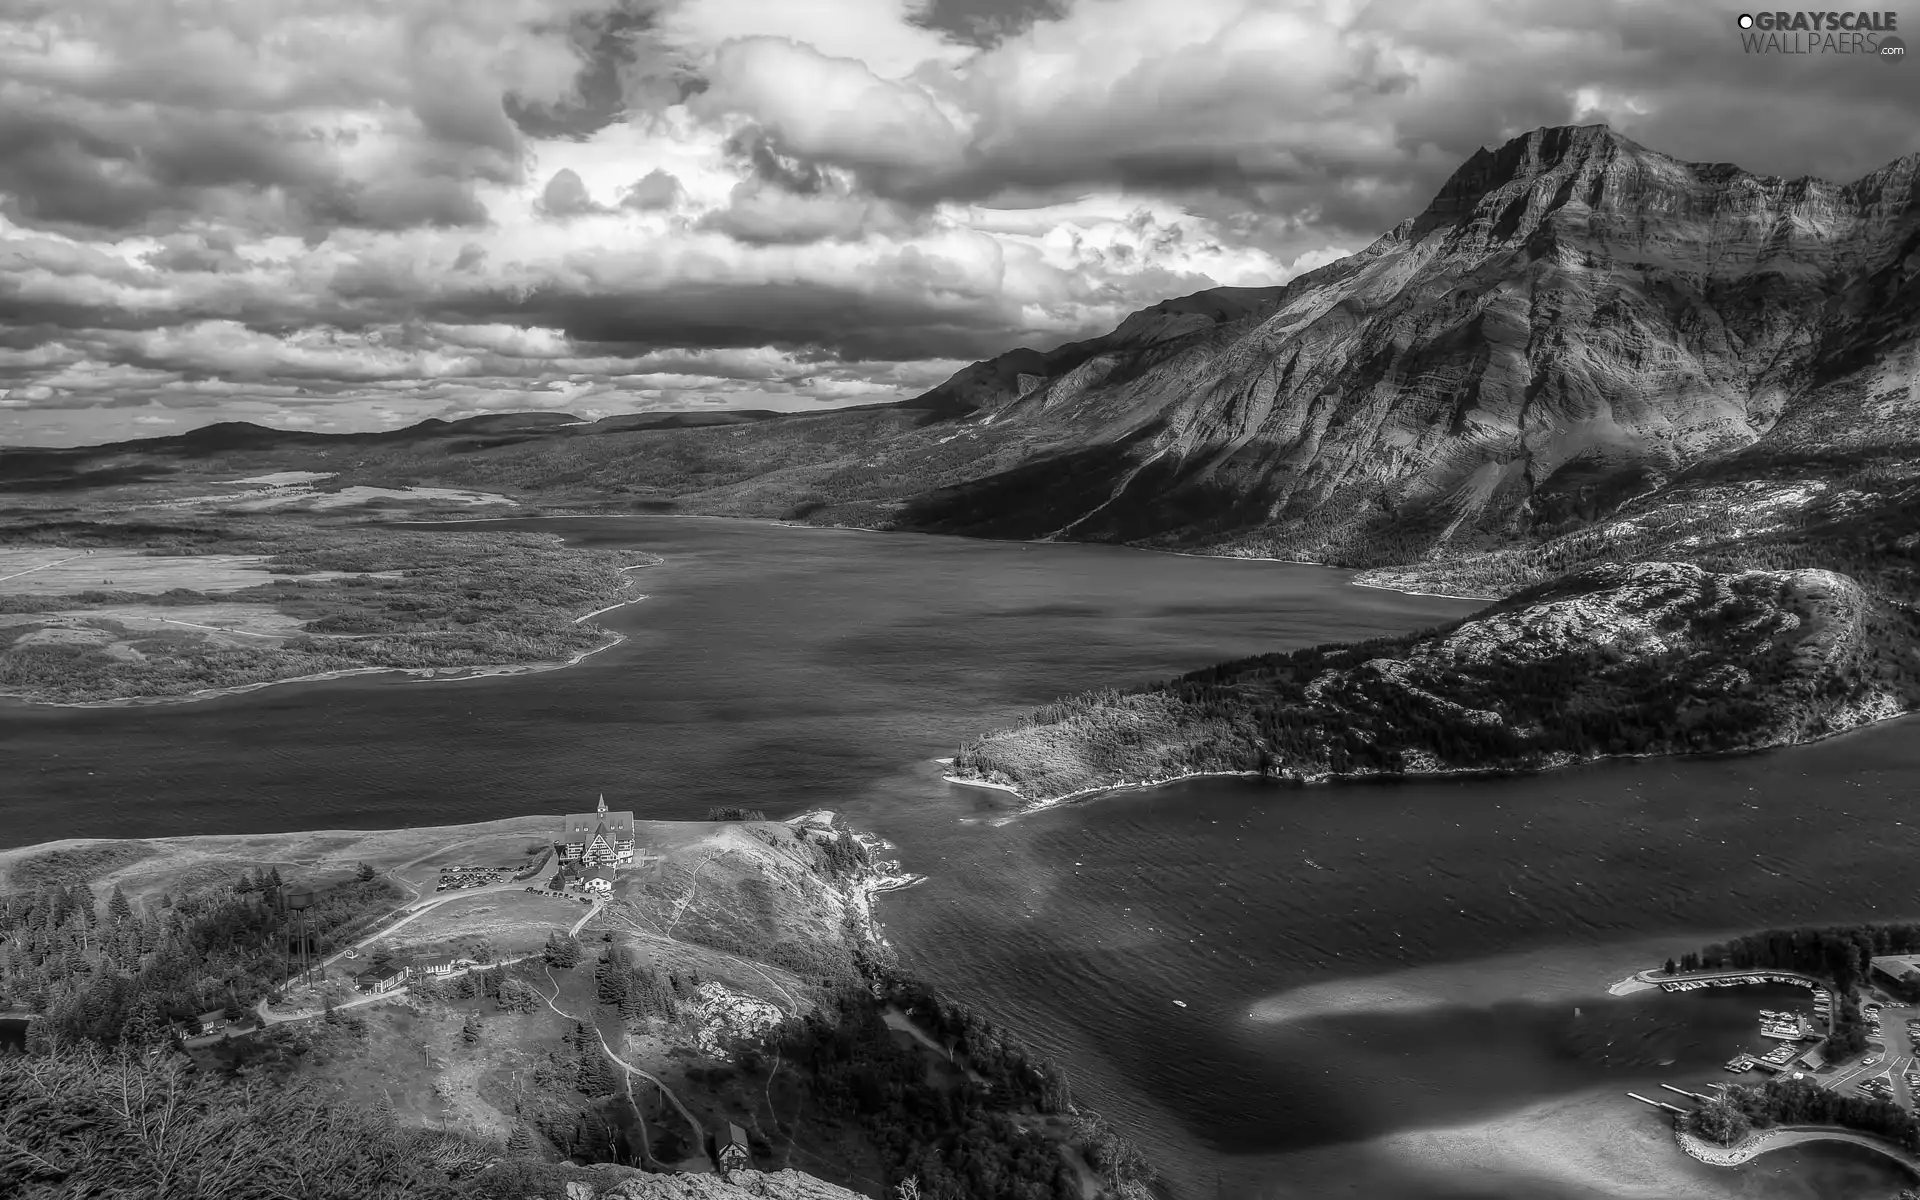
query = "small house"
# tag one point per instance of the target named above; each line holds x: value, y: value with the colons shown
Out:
x: 373, y: 983
x: 600, y: 879
x: 731, y: 1151
x: 443, y: 965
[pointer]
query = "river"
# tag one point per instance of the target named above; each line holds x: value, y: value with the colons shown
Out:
x: 1391, y: 990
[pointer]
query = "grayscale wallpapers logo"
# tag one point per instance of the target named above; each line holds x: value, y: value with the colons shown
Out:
x: 1868, y: 34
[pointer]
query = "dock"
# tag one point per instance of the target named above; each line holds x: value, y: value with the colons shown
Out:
x: 1689, y: 1095
x: 1672, y: 1108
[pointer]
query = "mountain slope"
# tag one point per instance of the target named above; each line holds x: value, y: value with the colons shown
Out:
x: 1573, y: 320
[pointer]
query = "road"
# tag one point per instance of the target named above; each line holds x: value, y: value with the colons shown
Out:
x: 303, y: 1014
x: 43, y: 566
x: 1895, y: 1057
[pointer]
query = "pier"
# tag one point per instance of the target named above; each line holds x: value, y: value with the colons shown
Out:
x: 1689, y: 1095
x: 1672, y: 1108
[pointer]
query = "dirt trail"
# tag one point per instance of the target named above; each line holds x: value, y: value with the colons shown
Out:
x: 699, y: 1130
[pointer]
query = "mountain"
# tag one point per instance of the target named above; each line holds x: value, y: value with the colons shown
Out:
x: 1670, y: 410
x: 1582, y: 355
x: 1575, y: 323
x: 1574, y: 320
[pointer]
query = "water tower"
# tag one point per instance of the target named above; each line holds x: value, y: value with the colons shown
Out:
x: 298, y: 900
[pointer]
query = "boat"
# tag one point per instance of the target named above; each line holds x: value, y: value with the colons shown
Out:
x: 1181, y: 1003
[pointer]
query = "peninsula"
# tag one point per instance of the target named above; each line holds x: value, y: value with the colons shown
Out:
x: 152, y: 606
x: 516, y: 1004
x: 1629, y: 659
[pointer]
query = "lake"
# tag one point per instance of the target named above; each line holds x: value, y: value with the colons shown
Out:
x: 1392, y: 990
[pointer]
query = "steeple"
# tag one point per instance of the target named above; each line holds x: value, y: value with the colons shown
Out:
x: 603, y: 803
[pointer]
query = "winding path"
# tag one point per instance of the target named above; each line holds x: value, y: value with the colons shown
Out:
x: 699, y: 1130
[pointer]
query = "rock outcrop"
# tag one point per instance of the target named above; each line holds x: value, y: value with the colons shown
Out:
x: 738, y: 1185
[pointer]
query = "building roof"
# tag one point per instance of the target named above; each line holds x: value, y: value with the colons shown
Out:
x: 1896, y: 965
x: 581, y: 827
x: 378, y: 976
x: 736, y: 1136
x: 603, y: 871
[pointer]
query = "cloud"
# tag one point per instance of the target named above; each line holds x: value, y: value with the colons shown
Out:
x: 829, y: 109
x: 358, y: 213
x: 655, y: 191
x: 566, y: 196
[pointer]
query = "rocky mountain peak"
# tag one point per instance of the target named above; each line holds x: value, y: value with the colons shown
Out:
x: 1574, y: 318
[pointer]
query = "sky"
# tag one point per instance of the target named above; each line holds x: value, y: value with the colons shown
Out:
x: 357, y: 214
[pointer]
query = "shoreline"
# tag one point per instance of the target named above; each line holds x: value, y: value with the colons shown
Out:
x: 1031, y: 806
x: 418, y: 674
x: 1381, y: 587
x: 1783, y: 1137
x: 864, y: 889
x: 1329, y: 777
x: 780, y: 523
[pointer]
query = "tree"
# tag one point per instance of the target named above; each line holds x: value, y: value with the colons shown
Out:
x: 612, y: 978
x: 1719, y: 1121
x: 516, y: 995
x: 1671, y: 969
x: 363, y: 872
x: 470, y: 1031
x: 117, y: 906
x: 561, y: 951
x: 520, y: 1144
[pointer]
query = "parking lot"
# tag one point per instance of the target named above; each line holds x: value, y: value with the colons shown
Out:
x: 1889, y: 1059
x: 453, y: 879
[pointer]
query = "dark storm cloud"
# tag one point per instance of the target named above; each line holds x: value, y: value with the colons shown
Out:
x: 1353, y: 127
x: 655, y: 191
x: 755, y: 152
x: 984, y: 22
x: 606, y: 41
x: 566, y: 196
x: 209, y: 252
x: 63, y: 165
x: 758, y: 214
x: 901, y: 321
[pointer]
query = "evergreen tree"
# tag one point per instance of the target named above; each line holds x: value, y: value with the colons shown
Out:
x: 561, y: 951
x: 520, y: 1144
x: 470, y: 1031
x: 612, y: 978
